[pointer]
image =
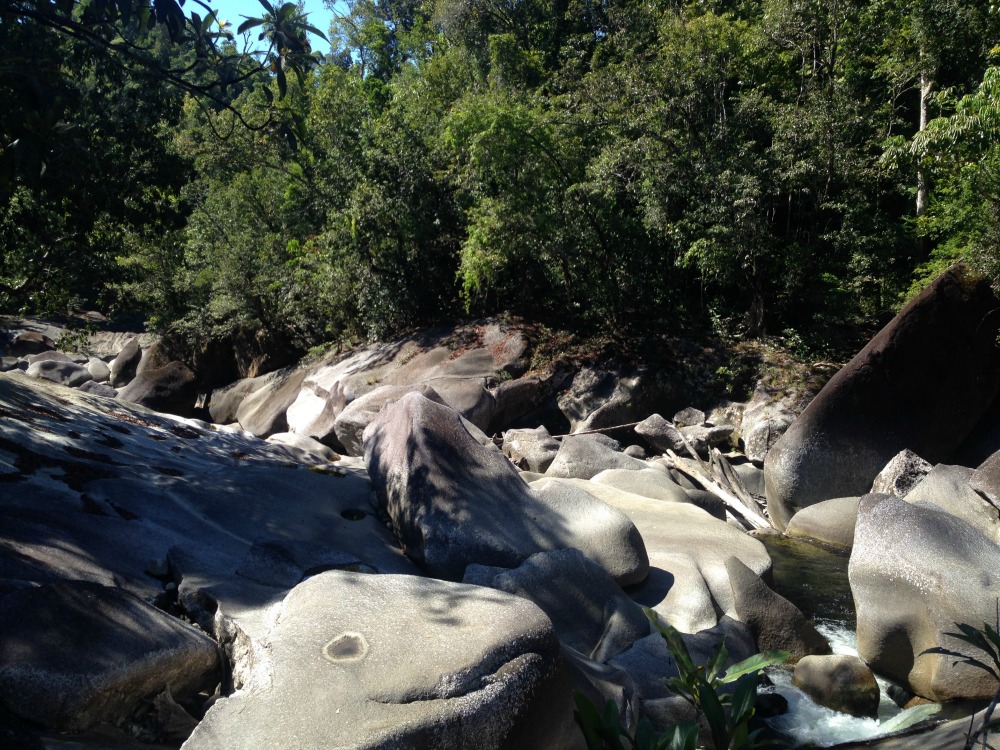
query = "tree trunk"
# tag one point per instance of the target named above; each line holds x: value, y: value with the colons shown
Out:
x: 926, y: 84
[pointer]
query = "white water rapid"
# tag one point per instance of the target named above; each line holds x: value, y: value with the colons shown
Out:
x: 808, y: 724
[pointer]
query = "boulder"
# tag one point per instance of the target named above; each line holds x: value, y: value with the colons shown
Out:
x: 922, y: 383
x: 830, y: 522
x: 225, y: 402
x: 99, y: 389
x: 29, y: 342
x: 776, y: 623
x: 262, y: 411
x: 75, y: 653
x: 530, y: 450
x: 376, y: 661
x: 689, y: 417
x: 64, y: 373
x: 153, y: 357
x: 53, y: 355
x: 916, y: 572
x: 123, y: 366
x: 170, y: 389
x: 597, y: 398
x: 840, y: 682
x: 513, y: 399
x: 651, y: 483
x: 585, y: 456
x: 688, y: 584
x: 305, y: 448
x: 986, y: 479
x: 351, y: 423
x: 454, y: 502
x: 98, y: 370
x: 589, y: 611
x: 763, y: 421
x: 949, y: 488
x: 901, y: 474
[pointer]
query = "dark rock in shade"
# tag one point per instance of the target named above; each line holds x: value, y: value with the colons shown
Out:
x: 585, y: 456
x: 73, y: 654
x: 922, y: 383
x: 55, y: 356
x: 986, y: 479
x: 124, y: 365
x: 915, y: 572
x: 775, y: 622
x: 153, y: 358
x: 29, y: 342
x: 99, y: 389
x: 454, y: 502
x: 689, y: 417
x: 838, y: 681
x: 171, y: 389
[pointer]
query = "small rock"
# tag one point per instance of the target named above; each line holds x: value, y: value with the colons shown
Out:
x: 843, y: 683
x: 901, y: 474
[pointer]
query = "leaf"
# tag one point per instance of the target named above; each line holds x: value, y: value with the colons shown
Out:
x: 711, y: 706
x: 755, y: 663
x: 743, y: 702
x: 313, y: 30
x: 682, y: 736
x: 279, y: 77
x: 717, y: 663
x: 249, y: 24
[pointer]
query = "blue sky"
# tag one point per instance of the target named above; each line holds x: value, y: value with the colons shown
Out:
x: 234, y: 11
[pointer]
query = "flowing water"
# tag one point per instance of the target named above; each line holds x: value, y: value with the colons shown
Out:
x: 815, y: 580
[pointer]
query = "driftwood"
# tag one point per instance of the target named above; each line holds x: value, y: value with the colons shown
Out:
x: 597, y: 430
x: 739, y: 501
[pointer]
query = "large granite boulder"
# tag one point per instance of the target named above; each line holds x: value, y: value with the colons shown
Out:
x: 74, y: 653
x: 922, y: 383
x: 530, y: 450
x: 454, y: 502
x: 830, y: 522
x: 688, y: 584
x: 171, y: 389
x: 917, y: 571
x: 351, y: 423
x: 262, y: 411
x: 589, y: 611
x: 377, y: 661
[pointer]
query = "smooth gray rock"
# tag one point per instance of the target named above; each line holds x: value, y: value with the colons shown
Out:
x: 73, y: 654
x: 830, y: 522
x: 838, y: 681
x: 454, y: 502
x: 64, y: 373
x: 901, y: 474
x: 776, y: 623
x: 53, y: 355
x: 651, y: 483
x: 922, y: 383
x: 98, y: 370
x: 124, y: 365
x: 99, y: 389
x: 376, y: 661
x: 915, y: 572
x: 688, y: 584
x: 171, y: 389
x: 304, y: 448
x: 949, y: 488
x: 763, y: 422
x: 351, y: 423
x: 262, y: 411
x: 585, y: 456
x: 589, y: 611
x: 225, y: 402
x: 530, y: 450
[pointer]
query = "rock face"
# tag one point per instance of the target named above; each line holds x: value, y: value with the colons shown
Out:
x: 585, y: 456
x: 124, y: 365
x: 65, y: 373
x: 949, y: 488
x: 454, y: 502
x: 376, y: 661
x: 922, y: 383
x: 901, y: 474
x: 830, y: 522
x: 74, y: 653
x: 843, y: 683
x: 915, y: 572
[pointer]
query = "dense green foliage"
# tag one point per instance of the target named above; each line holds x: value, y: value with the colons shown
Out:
x: 749, y: 165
